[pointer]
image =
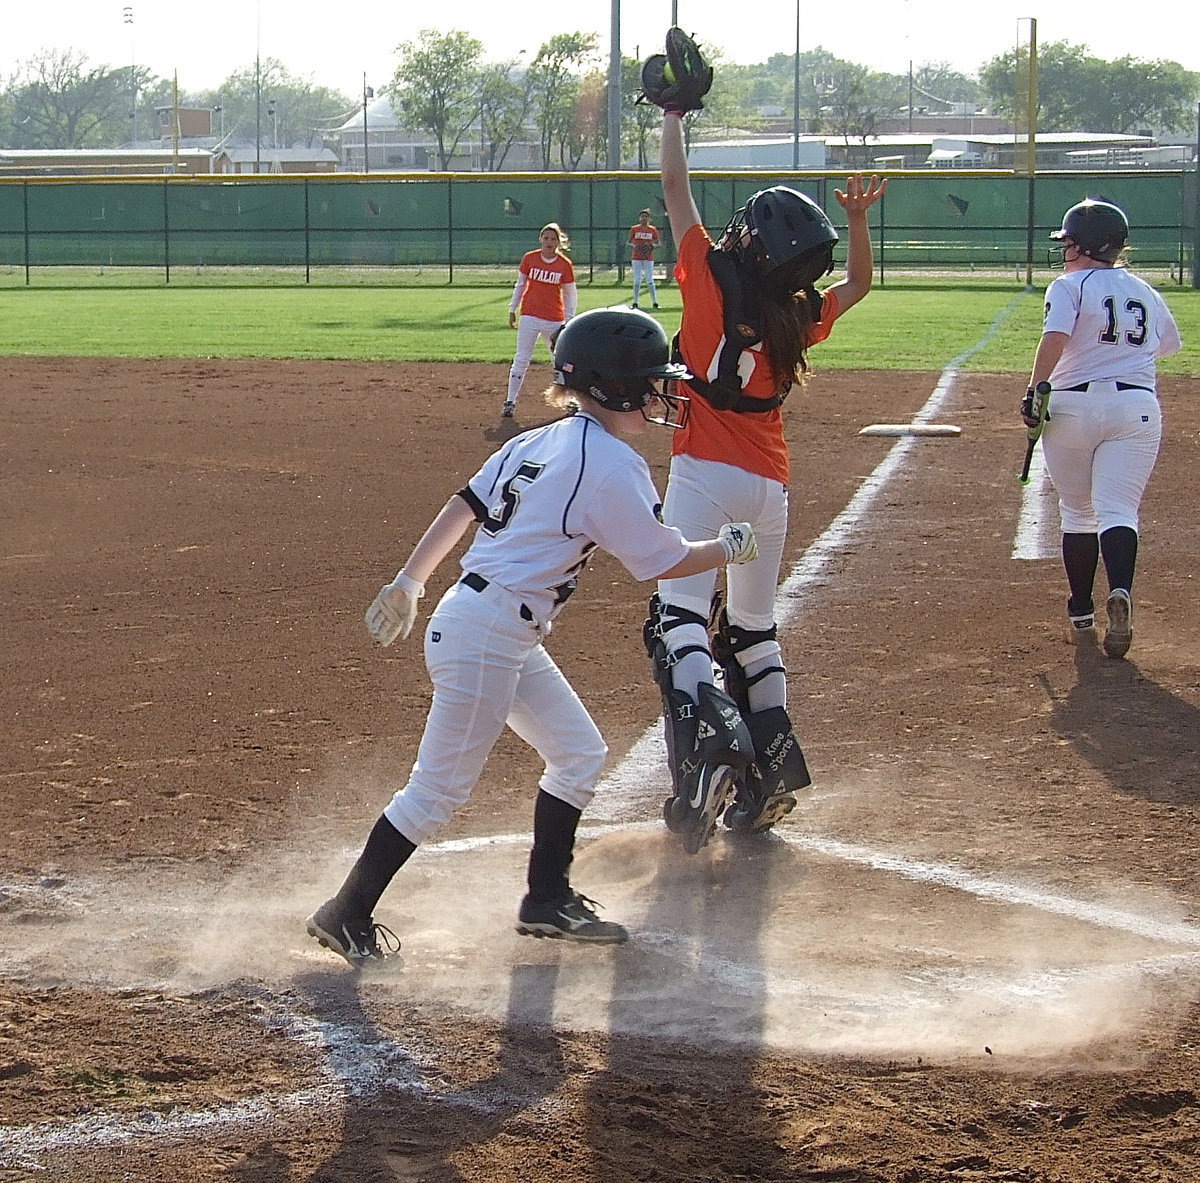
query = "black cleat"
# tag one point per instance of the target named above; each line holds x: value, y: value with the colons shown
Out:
x: 695, y: 812
x: 571, y: 918
x: 352, y: 937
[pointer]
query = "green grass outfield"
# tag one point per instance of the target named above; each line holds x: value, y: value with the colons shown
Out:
x: 902, y: 327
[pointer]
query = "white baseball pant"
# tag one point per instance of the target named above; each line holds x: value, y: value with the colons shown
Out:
x: 489, y: 669
x: 529, y: 329
x: 1101, y: 445
x: 643, y: 273
x: 702, y: 495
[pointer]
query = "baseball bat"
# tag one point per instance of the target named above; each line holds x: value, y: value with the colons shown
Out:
x: 1042, y: 389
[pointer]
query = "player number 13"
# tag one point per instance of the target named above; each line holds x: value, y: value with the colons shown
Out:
x: 1135, y: 336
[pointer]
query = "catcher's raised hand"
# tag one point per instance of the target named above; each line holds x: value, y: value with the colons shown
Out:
x: 679, y: 79
x: 394, y: 610
x: 858, y: 196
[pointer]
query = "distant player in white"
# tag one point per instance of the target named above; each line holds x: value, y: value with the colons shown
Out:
x: 543, y: 503
x: 1103, y: 332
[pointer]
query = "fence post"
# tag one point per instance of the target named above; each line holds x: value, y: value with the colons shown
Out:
x: 450, y: 225
x: 1029, y: 219
x: 1196, y: 211
x: 882, y: 236
x: 307, y: 239
x: 25, y: 203
x: 166, y: 230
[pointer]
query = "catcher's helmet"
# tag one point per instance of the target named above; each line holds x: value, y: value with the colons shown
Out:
x: 790, y: 237
x: 613, y: 354
x: 1097, y: 228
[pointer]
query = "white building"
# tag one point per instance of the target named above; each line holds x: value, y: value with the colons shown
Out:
x: 391, y: 147
x: 758, y: 153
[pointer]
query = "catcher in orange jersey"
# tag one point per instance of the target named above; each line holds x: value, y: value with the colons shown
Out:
x: 643, y: 242
x: 545, y: 297
x: 751, y: 311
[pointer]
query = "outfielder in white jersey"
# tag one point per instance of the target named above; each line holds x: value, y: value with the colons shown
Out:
x: 1104, y: 330
x: 542, y: 504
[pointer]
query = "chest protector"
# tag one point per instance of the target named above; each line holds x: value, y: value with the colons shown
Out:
x: 742, y: 328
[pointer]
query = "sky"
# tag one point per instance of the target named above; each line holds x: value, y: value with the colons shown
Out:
x: 336, y: 46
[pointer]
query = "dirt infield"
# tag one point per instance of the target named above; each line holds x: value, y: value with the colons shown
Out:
x: 972, y: 953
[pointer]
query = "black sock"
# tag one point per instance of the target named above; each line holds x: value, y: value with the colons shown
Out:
x: 1119, y: 546
x: 554, y: 825
x: 1080, y: 553
x: 386, y: 851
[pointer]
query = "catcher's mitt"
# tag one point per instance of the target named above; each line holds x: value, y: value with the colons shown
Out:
x: 679, y: 79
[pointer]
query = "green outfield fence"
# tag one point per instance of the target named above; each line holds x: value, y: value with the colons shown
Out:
x: 448, y: 227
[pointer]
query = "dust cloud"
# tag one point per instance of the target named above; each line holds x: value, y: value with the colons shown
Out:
x: 752, y: 943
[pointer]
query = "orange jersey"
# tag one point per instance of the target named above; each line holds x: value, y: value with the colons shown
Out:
x: 753, y: 442
x: 643, y: 239
x: 543, y: 296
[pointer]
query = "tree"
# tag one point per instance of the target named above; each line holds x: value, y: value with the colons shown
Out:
x: 265, y: 104
x: 638, y: 120
x: 587, y: 133
x: 1079, y: 92
x: 503, y: 110
x: 1135, y: 95
x: 855, y: 100
x: 437, y: 87
x: 939, y: 80
x: 553, y: 81
x: 58, y: 100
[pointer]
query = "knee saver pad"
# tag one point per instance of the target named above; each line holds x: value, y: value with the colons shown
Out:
x: 710, y: 731
x: 779, y: 762
x: 722, y: 736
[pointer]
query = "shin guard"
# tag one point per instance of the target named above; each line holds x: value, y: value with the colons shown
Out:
x: 708, y: 743
x: 778, y: 772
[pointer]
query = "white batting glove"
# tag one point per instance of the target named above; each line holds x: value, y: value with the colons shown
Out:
x: 394, y: 610
x: 738, y: 539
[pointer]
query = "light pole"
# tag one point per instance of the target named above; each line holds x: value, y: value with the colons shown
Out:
x: 796, y: 96
x: 368, y: 93
x: 258, y: 87
x: 614, y: 87
x: 257, y: 114
x: 127, y: 18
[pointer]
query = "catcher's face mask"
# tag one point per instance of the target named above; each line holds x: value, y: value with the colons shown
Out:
x: 676, y: 407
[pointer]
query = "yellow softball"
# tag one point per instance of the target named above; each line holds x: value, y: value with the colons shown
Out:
x: 668, y: 73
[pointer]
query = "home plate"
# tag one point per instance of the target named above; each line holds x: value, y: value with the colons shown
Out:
x: 910, y: 429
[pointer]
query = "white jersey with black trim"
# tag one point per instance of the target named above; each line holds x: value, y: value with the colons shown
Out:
x: 549, y: 497
x: 1117, y: 323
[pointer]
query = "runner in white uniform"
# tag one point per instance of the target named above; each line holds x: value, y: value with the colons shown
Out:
x: 1104, y: 330
x: 543, y: 503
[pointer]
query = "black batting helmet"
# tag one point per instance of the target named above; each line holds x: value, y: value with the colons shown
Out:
x: 1097, y: 228
x: 790, y: 237
x: 614, y: 354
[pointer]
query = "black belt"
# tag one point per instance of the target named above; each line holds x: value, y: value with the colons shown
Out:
x: 478, y: 583
x: 1120, y: 386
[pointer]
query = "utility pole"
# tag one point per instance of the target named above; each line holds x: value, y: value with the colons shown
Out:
x: 127, y: 17
x: 796, y: 95
x: 368, y: 93
x: 614, y: 87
